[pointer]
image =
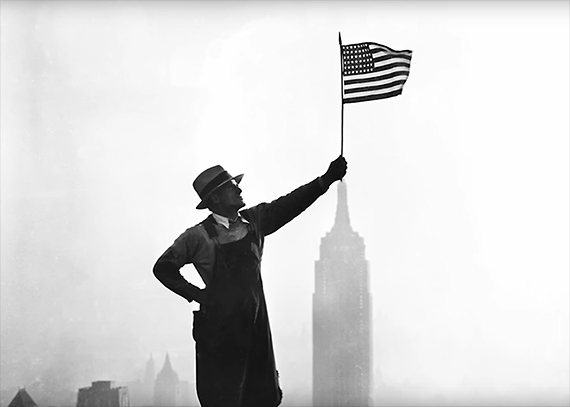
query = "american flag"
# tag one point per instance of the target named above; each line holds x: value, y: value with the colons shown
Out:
x: 372, y: 71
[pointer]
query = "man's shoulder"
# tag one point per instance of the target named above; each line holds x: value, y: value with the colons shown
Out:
x: 194, y: 232
x: 249, y: 214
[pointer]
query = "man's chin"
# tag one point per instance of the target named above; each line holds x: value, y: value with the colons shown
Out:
x: 239, y: 205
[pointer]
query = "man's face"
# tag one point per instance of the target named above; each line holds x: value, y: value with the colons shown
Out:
x: 229, y: 195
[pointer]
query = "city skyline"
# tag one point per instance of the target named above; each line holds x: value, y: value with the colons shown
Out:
x: 149, y: 389
x: 109, y: 110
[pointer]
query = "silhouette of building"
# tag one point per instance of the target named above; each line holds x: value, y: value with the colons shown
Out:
x: 342, y: 328
x: 141, y: 391
x: 149, y: 373
x: 148, y: 382
x: 103, y: 394
x: 167, y: 386
x: 22, y: 399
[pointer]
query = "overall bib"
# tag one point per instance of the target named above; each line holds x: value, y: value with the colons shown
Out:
x: 235, y: 363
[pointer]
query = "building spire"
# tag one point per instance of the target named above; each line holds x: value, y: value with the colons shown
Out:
x: 150, y: 372
x: 167, y: 365
x: 22, y: 399
x: 342, y: 218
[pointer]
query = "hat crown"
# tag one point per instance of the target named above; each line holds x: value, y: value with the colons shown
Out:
x: 209, y: 180
x: 206, y: 177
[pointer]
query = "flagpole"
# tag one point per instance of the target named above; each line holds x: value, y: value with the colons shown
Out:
x: 341, y: 99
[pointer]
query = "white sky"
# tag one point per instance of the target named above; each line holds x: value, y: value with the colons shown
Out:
x: 460, y: 186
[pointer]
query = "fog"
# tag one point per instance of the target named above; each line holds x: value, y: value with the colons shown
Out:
x: 459, y: 187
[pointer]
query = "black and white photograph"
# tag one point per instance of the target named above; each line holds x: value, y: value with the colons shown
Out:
x: 284, y: 203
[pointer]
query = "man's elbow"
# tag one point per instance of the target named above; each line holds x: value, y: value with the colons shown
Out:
x: 160, y: 269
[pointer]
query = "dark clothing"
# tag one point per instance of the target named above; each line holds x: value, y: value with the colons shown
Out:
x: 235, y: 364
x: 235, y: 360
x: 194, y: 246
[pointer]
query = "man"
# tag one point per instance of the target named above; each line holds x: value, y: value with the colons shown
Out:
x: 235, y: 363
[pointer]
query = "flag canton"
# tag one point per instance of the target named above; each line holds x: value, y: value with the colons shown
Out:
x: 356, y: 59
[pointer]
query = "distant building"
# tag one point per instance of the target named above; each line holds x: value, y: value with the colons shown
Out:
x: 167, y: 386
x: 141, y: 392
x: 148, y: 382
x: 103, y: 394
x: 150, y: 374
x: 22, y: 399
x: 342, y: 328
x: 136, y: 391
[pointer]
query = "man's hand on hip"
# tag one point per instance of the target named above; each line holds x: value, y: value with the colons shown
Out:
x: 201, y: 297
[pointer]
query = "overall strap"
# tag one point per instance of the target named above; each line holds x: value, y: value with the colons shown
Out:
x: 253, y: 226
x: 208, y: 224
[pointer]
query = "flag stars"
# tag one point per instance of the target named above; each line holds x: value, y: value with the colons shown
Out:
x: 357, y: 59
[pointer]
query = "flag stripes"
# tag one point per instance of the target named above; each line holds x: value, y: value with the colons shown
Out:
x: 383, y: 95
x: 372, y: 71
x: 373, y: 77
x: 385, y: 85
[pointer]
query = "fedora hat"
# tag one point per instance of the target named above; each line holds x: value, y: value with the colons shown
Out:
x: 210, y: 180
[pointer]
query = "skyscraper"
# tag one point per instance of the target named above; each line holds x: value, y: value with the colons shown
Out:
x: 167, y: 386
x: 148, y: 382
x: 102, y: 394
x: 342, y: 327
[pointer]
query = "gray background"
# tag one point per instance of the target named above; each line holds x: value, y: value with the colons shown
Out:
x: 459, y: 186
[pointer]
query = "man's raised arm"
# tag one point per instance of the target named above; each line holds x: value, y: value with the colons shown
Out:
x: 272, y: 216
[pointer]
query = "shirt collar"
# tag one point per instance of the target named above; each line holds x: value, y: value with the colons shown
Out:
x: 225, y: 222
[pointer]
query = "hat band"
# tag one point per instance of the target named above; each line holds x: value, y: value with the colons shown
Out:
x: 214, y: 183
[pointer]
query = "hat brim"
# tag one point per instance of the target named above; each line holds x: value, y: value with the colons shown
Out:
x: 203, y: 204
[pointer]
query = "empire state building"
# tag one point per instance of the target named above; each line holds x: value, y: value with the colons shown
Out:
x: 342, y: 328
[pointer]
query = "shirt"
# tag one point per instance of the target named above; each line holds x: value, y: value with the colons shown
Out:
x: 224, y: 221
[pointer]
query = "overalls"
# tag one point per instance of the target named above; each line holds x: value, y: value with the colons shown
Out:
x: 235, y: 364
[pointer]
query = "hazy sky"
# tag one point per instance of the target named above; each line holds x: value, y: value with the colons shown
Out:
x: 459, y: 187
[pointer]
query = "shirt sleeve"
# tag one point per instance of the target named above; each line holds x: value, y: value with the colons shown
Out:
x: 180, y: 253
x: 274, y: 215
